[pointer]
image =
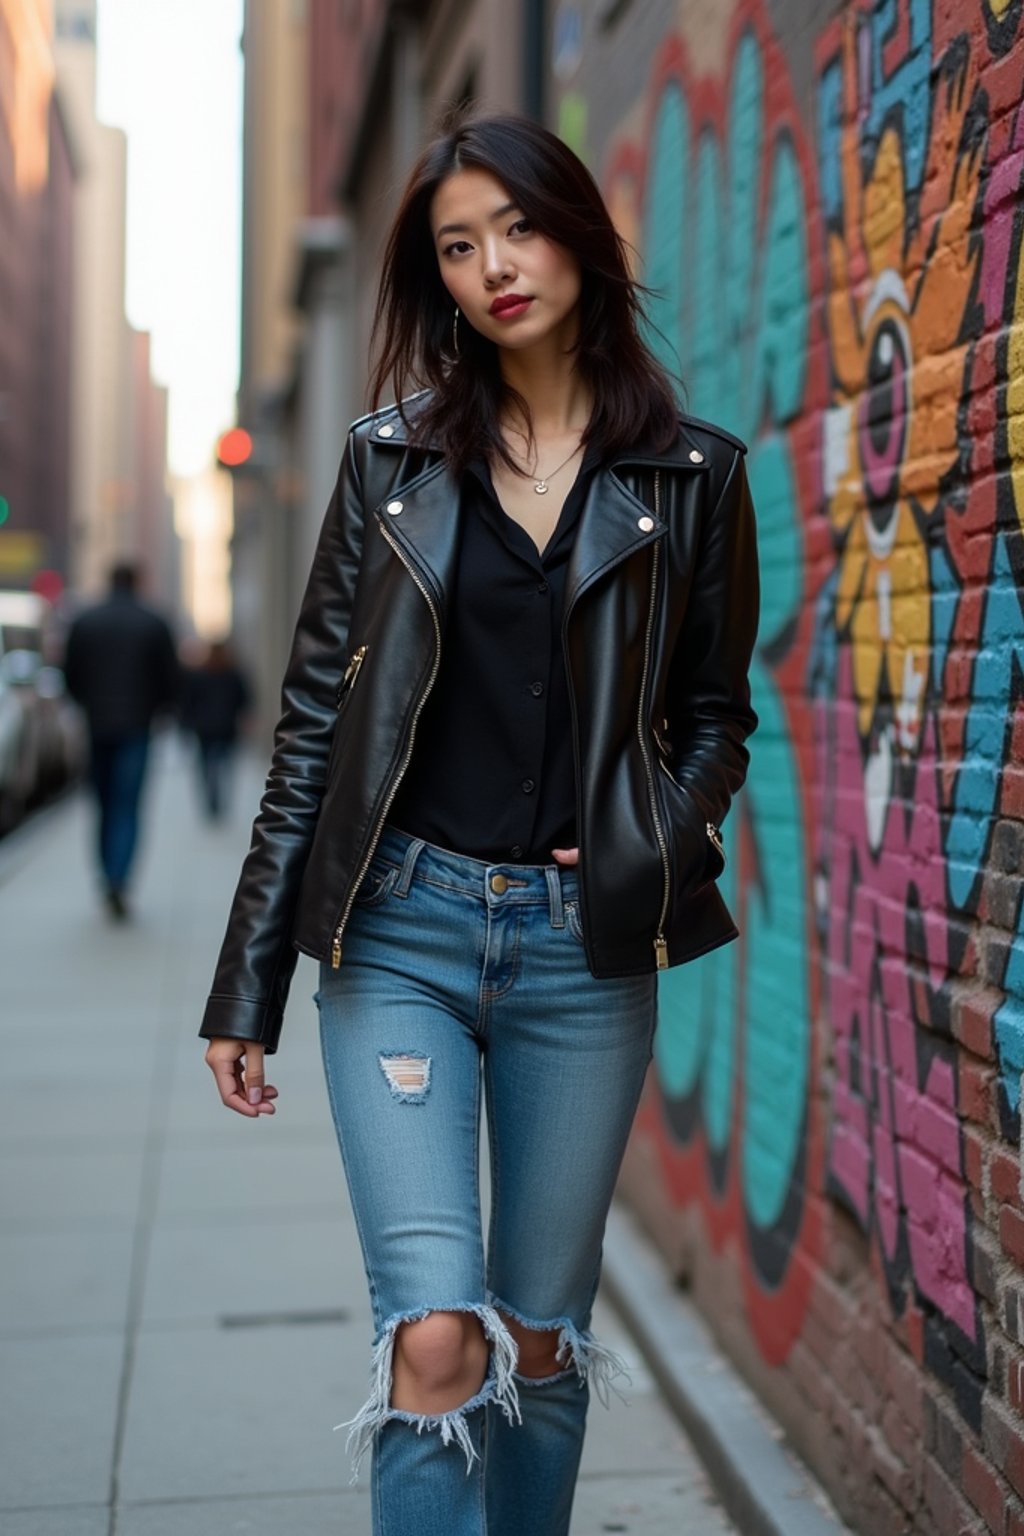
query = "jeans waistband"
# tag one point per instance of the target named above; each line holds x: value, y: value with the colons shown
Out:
x: 497, y: 884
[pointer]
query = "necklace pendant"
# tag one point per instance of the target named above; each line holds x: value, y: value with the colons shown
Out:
x: 541, y: 487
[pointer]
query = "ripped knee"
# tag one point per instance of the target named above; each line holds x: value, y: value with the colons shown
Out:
x: 439, y: 1353
x: 551, y: 1348
x: 540, y: 1349
x: 435, y: 1348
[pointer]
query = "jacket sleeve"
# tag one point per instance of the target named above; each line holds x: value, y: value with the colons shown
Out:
x: 710, y: 713
x: 257, y: 958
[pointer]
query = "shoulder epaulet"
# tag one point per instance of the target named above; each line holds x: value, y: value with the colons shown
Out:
x: 710, y: 426
x: 379, y: 415
x: 385, y: 411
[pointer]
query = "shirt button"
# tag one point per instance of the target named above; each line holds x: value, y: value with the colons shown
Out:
x: 528, y: 786
x: 516, y: 852
x: 536, y: 689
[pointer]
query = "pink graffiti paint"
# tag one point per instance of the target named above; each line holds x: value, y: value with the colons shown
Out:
x: 895, y: 1147
x: 1001, y: 207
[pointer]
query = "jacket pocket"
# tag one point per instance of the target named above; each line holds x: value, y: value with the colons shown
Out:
x: 348, y: 681
x: 343, y: 692
x: 706, y: 839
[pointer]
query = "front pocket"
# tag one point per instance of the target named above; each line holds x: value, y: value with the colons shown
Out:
x: 573, y: 921
x: 377, y: 885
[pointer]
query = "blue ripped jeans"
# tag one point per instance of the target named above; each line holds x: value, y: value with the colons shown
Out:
x: 457, y: 973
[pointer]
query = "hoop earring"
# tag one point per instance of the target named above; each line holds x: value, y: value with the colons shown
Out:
x: 455, y: 332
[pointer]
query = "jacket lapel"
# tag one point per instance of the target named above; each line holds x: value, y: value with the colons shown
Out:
x: 613, y: 525
x: 425, y: 515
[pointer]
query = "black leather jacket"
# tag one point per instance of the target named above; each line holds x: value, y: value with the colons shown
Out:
x: 660, y: 619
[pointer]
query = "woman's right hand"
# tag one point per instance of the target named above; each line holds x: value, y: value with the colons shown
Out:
x: 237, y: 1067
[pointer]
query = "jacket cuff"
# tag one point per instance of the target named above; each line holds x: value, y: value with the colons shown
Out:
x: 242, y: 1018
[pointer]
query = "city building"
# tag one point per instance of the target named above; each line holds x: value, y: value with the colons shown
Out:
x: 118, y: 439
x: 37, y: 172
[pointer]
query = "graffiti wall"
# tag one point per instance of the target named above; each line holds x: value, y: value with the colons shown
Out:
x: 829, y: 213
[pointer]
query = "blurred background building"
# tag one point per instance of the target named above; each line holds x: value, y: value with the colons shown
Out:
x: 119, y: 504
x: 37, y: 176
x: 82, y: 425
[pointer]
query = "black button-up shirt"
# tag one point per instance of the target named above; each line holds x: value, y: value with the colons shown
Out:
x: 492, y: 773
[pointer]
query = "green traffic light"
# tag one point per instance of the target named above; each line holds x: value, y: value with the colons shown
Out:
x: 5, y: 510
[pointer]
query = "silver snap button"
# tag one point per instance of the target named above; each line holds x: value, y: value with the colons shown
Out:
x: 386, y: 432
x: 645, y: 524
x: 394, y: 507
x: 696, y: 457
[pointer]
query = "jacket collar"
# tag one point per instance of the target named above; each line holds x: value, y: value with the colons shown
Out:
x: 394, y: 426
x: 426, y: 511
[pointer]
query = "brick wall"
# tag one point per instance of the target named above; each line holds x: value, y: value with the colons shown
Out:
x: 828, y: 201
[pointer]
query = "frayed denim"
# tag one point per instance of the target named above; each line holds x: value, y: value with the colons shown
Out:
x: 499, y: 1387
x: 460, y: 981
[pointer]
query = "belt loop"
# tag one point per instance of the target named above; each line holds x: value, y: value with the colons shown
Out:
x: 412, y: 853
x: 554, y: 880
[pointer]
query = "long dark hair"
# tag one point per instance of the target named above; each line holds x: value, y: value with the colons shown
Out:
x: 633, y: 396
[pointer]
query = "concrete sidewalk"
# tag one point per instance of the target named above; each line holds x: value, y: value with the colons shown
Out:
x: 183, y: 1311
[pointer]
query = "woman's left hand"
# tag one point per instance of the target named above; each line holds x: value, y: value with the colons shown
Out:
x: 566, y: 855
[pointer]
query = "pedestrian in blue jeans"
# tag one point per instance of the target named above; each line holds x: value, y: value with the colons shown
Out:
x: 513, y: 722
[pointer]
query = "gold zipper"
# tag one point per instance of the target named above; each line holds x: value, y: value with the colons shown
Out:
x: 660, y: 942
x: 396, y: 781
x: 351, y: 673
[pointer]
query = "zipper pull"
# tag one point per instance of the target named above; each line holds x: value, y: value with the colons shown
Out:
x: 351, y: 671
x: 715, y: 837
x: 335, y: 951
x: 661, y: 953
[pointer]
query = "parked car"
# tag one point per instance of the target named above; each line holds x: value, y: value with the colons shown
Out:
x: 17, y: 765
x: 52, y: 746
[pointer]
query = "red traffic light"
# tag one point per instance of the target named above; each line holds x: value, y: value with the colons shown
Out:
x: 49, y: 584
x: 234, y: 447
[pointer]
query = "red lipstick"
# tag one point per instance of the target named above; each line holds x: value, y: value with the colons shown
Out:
x: 509, y: 305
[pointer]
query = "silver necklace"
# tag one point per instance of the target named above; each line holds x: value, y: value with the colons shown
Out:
x: 541, y: 486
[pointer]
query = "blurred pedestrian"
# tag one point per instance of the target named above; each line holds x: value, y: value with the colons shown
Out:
x: 121, y: 667
x: 215, y: 697
x: 514, y: 720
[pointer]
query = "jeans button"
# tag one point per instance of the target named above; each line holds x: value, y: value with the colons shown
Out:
x: 499, y: 884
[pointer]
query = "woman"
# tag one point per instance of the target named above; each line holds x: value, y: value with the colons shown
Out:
x: 513, y: 722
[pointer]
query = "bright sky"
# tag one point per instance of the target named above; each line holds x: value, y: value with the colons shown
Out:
x: 170, y: 74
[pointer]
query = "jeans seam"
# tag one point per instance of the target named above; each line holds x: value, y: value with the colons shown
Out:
x: 492, y: 1141
x: 371, y: 1282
